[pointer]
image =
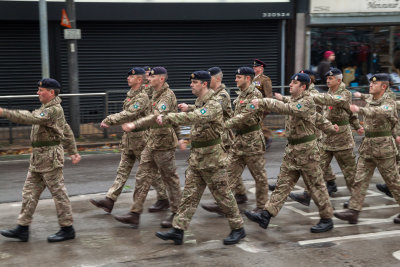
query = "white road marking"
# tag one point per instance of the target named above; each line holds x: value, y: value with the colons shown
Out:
x: 350, y: 237
x: 396, y: 255
x: 249, y: 247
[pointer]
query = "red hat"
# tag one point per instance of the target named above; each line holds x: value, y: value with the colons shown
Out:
x: 328, y: 53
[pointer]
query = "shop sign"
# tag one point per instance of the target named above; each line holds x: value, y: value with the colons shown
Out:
x: 354, y: 6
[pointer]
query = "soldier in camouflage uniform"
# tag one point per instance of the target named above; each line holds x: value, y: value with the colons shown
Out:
x: 249, y: 145
x: 159, y: 152
x: 367, y: 97
x: 378, y: 148
x: 301, y: 155
x: 206, y: 163
x: 136, y: 105
x: 263, y: 83
x: 49, y: 133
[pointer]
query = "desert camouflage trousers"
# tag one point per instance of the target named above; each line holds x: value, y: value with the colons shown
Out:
x: 34, y: 185
x: 151, y: 163
x: 217, y: 182
x: 365, y: 170
x: 256, y: 165
x: 287, y: 179
x: 347, y: 163
x: 124, y: 170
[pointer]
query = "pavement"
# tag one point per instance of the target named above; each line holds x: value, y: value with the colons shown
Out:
x: 102, y: 241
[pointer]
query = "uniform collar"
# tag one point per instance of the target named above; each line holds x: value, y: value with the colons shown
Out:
x: 303, y: 94
x: 341, y: 88
x: 131, y: 93
x: 221, y: 87
x: 164, y: 87
x: 246, y: 91
x: 53, y: 102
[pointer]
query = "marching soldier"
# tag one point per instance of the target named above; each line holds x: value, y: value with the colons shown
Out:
x: 301, y: 155
x: 263, y: 83
x: 206, y: 163
x: 378, y: 148
x: 49, y: 133
x: 159, y: 152
x: 136, y: 105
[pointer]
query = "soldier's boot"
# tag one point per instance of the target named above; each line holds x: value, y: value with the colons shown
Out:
x: 19, y: 232
x: 235, y: 236
x: 271, y: 187
x: 106, y: 204
x: 332, y: 187
x: 213, y: 207
x: 167, y: 223
x: 131, y: 218
x: 384, y: 189
x: 65, y: 233
x: 346, y: 204
x: 262, y: 218
x: 174, y: 234
x: 397, y: 219
x: 349, y: 215
x: 160, y: 205
x: 303, y: 198
x: 324, y: 225
x: 241, y: 199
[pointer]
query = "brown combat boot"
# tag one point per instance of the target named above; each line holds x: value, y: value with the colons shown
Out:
x: 212, y: 208
x: 167, y: 223
x: 131, y: 218
x: 349, y: 215
x: 160, y: 205
x: 241, y: 199
x: 106, y: 204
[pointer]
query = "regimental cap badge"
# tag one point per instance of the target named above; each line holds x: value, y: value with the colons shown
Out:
x: 40, y: 84
x: 330, y: 73
x: 255, y: 63
x: 374, y: 79
x: 192, y: 76
x: 296, y: 78
x: 133, y: 72
x: 152, y: 71
x: 238, y: 71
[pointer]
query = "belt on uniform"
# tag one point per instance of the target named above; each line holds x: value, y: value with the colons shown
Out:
x: 378, y: 134
x: 248, y: 129
x: 160, y: 126
x: 45, y: 143
x: 199, y: 144
x: 341, y: 123
x: 138, y: 130
x: 304, y: 139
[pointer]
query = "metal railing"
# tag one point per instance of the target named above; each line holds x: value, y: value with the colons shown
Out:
x: 92, y: 114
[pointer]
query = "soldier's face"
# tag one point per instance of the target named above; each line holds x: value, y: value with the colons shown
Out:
x: 241, y: 81
x: 146, y: 77
x: 258, y: 69
x: 332, y: 81
x: 45, y: 95
x: 213, y: 83
x: 131, y: 80
x: 156, y: 81
x: 296, y: 88
x: 375, y: 88
x: 197, y: 86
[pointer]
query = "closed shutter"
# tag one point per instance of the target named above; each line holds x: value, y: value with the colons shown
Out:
x: 108, y: 50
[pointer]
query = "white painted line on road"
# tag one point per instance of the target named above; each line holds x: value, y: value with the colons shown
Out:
x: 396, y: 255
x: 249, y: 247
x: 349, y: 237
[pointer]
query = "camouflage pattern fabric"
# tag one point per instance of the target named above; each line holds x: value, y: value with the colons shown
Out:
x: 206, y: 164
x: 224, y: 99
x: 147, y: 88
x: 299, y: 159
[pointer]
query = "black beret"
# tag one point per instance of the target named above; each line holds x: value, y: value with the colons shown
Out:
x: 301, y: 77
x: 380, y: 77
x: 49, y: 83
x: 136, y: 71
x: 258, y: 62
x: 245, y: 71
x: 158, y: 70
x: 309, y: 72
x: 214, y: 71
x: 201, y: 75
x: 147, y: 68
x: 333, y: 72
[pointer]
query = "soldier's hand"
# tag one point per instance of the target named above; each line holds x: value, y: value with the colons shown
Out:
x: 127, y: 127
x: 184, y: 107
x: 360, y: 131
x: 1, y: 112
x: 336, y: 127
x: 182, y: 144
x: 104, y: 125
x: 278, y: 96
x: 354, y: 108
x: 159, y: 119
x: 398, y: 139
x: 75, y: 158
x: 357, y: 94
x: 255, y: 102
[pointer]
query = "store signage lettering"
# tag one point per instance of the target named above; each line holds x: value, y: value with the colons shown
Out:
x: 344, y: 6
